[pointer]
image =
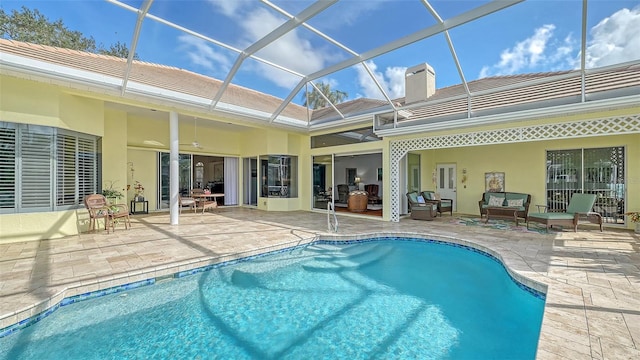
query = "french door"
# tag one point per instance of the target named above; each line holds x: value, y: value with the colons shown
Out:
x: 446, y: 182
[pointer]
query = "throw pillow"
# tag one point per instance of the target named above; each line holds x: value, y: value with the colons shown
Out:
x: 437, y: 197
x: 515, y: 203
x: 421, y: 200
x: 495, y: 201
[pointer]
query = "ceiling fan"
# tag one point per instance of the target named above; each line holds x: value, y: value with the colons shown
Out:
x: 195, y: 142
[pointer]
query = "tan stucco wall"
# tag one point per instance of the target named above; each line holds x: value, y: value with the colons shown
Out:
x: 524, y: 167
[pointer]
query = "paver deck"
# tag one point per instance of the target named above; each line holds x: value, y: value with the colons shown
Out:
x: 593, y: 278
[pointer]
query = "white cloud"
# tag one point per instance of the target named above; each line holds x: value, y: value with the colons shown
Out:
x: 536, y: 52
x: 392, y: 81
x: 615, y: 39
x: 291, y: 51
x: 202, y: 54
x: 229, y: 7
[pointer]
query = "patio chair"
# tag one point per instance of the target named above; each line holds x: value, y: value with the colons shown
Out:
x: 443, y: 204
x: 343, y: 193
x: 372, y: 190
x: 580, y: 206
x: 420, y: 209
x: 100, y: 208
x: 186, y: 201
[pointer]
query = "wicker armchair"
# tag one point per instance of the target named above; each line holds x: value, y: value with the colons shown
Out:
x: 443, y: 204
x: 421, y: 210
x: 186, y: 201
x: 100, y: 208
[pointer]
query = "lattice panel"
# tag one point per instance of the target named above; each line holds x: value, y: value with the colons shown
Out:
x: 584, y: 128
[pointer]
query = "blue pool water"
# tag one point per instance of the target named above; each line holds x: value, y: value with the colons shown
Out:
x: 388, y: 299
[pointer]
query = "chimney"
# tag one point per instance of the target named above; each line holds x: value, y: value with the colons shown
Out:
x: 419, y: 83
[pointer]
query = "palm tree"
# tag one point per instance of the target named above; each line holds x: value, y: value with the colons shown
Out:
x: 314, y: 99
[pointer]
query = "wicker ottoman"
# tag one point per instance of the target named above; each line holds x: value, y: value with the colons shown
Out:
x: 424, y: 212
x: 357, y: 201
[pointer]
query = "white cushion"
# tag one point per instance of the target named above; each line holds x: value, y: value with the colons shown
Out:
x: 495, y: 201
x: 421, y: 200
x: 515, y: 203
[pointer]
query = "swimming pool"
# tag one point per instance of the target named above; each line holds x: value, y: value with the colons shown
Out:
x: 386, y: 298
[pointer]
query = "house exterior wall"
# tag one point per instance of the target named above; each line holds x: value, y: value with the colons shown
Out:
x: 524, y: 162
x: 128, y: 139
x: 131, y: 141
x: 523, y: 165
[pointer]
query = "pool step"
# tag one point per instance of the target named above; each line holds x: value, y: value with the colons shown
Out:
x: 339, y: 263
x: 349, y: 253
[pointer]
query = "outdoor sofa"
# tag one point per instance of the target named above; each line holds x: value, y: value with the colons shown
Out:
x: 506, y: 200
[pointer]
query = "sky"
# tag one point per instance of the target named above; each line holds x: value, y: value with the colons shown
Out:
x: 532, y: 36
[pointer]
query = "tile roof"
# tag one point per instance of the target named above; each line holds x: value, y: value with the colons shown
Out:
x: 161, y: 76
x: 488, y: 95
x: 505, y: 93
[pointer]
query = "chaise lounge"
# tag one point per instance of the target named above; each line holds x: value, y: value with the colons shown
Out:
x: 580, y: 206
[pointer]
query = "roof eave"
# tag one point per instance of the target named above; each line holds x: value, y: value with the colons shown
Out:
x: 510, y: 117
x: 36, y: 70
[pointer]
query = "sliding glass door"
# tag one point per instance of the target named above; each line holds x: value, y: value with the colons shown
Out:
x: 322, y: 180
x: 599, y: 171
x: 250, y: 176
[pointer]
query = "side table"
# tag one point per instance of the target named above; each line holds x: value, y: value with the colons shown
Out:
x: 133, y: 207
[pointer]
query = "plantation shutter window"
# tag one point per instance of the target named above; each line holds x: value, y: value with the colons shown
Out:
x: 45, y: 169
x: 7, y: 167
x: 36, y: 166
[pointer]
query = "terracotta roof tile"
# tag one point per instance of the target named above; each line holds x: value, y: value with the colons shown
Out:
x: 166, y: 77
x: 488, y: 94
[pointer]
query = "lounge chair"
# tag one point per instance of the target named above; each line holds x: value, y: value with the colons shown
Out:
x: 580, y: 206
x: 420, y: 209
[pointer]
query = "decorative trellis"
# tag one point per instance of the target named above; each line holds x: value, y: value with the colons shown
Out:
x: 585, y: 128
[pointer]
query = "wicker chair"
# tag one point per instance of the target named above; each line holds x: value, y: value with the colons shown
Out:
x: 99, y: 208
x: 186, y: 201
x: 443, y: 204
x: 421, y: 210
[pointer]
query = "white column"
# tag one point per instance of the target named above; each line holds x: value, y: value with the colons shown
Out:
x: 174, y: 163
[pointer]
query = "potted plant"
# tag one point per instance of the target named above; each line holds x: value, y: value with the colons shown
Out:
x: 139, y: 196
x: 634, y: 216
x: 110, y: 193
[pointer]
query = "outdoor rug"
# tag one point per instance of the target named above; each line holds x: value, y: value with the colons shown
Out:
x: 498, y: 225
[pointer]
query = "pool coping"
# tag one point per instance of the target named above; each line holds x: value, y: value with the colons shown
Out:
x: 115, y: 283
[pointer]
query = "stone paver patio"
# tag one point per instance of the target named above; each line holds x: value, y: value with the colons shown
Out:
x: 592, y: 278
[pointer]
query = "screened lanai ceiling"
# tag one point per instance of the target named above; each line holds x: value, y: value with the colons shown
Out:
x: 360, y: 49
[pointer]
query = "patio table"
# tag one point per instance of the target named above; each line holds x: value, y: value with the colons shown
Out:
x: 504, y: 212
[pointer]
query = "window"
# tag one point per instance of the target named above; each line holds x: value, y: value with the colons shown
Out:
x: 279, y: 176
x: 599, y: 171
x: 44, y: 168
